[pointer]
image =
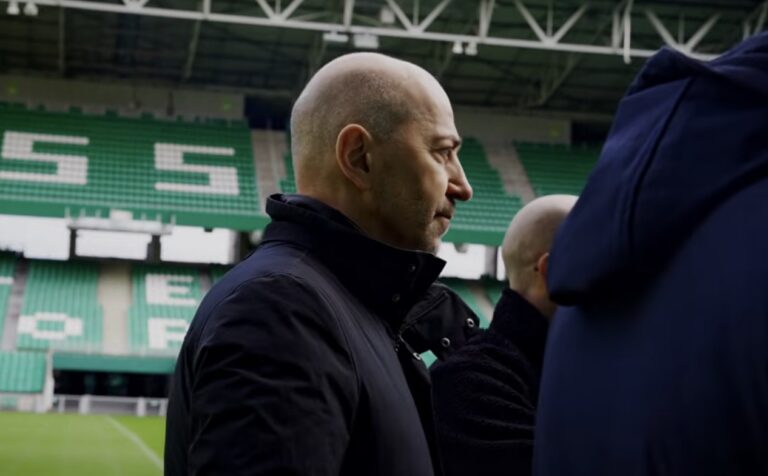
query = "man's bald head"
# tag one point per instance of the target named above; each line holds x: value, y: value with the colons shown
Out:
x: 530, y: 236
x: 375, y: 138
x: 369, y: 89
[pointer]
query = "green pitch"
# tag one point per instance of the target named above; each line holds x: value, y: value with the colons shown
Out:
x: 80, y: 445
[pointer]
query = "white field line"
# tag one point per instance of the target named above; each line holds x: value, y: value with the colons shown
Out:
x: 151, y: 455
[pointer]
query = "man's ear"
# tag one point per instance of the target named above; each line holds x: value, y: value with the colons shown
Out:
x: 542, y: 266
x: 352, y: 157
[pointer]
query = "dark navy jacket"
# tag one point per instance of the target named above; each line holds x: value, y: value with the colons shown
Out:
x: 485, y: 394
x: 661, y: 364
x: 296, y: 364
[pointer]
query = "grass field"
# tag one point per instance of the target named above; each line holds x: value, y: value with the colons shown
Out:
x: 80, y: 445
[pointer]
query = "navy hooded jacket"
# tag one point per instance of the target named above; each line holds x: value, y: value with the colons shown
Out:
x: 660, y: 364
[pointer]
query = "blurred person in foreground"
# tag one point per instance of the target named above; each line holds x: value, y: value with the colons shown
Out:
x: 297, y: 361
x: 659, y: 366
x: 485, y: 393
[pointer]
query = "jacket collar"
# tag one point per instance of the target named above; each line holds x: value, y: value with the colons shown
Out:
x: 521, y: 324
x: 388, y: 280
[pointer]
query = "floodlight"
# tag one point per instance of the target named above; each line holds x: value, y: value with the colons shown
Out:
x: 335, y: 37
x: 30, y: 9
x: 471, y: 49
x: 13, y: 8
x: 457, y: 48
x: 365, y: 41
x: 386, y: 16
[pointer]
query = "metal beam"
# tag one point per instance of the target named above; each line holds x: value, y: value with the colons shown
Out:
x: 760, y: 12
x: 62, y: 43
x: 552, y: 84
x: 486, y: 15
x: 661, y: 30
x: 388, y: 32
x: 267, y: 9
x: 569, y: 23
x: 400, y: 14
x: 543, y: 36
x: 290, y: 9
x: 444, y: 55
x: 540, y: 34
x: 349, y: 7
x: 627, y: 20
x: 694, y: 40
x: 761, y: 18
x: 617, y: 26
x: 427, y: 21
x: 550, y: 17
x: 191, y: 51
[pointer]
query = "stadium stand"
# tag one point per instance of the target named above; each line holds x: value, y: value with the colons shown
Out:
x: 553, y: 168
x: 61, y: 308
x: 7, y: 265
x: 164, y: 300
x: 22, y: 372
x: 199, y: 174
x: 288, y: 184
x: 485, y: 218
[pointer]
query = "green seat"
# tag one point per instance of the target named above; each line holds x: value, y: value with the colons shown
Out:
x: 61, y: 309
x: 197, y: 174
x: 485, y: 218
x: 22, y: 372
x: 556, y: 168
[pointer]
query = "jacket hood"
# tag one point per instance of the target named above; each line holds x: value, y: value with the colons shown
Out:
x: 686, y: 137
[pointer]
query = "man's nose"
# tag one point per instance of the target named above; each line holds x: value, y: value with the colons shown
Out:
x: 458, y: 185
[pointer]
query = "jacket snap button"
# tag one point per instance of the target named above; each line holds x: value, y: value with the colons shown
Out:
x: 446, y: 342
x: 416, y: 356
x: 470, y: 323
x: 395, y: 298
x: 412, y: 268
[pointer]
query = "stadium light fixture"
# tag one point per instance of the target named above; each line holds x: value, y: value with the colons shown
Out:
x: 335, y: 37
x: 365, y: 41
x: 471, y: 49
x: 13, y: 8
x: 386, y: 16
x: 458, y: 49
x: 30, y: 9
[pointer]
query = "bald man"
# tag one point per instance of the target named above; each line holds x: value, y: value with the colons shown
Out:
x: 485, y: 393
x: 299, y: 361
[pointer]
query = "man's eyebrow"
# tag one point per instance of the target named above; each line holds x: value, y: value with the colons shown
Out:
x: 455, y: 140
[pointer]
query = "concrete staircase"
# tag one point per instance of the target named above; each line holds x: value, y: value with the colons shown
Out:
x: 114, y: 294
x: 503, y: 157
x: 269, y: 149
x: 15, y: 302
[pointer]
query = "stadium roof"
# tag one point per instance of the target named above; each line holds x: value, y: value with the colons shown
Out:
x: 529, y: 56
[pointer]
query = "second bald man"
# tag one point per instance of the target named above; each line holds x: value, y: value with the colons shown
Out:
x: 485, y: 393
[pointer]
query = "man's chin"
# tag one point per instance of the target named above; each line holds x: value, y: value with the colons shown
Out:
x: 434, y: 246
